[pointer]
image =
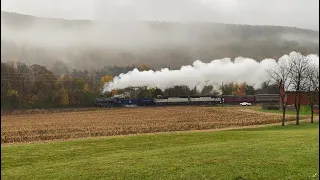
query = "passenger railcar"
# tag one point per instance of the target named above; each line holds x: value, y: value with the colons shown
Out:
x: 231, y: 99
x: 267, y: 98
x: 205, y: 100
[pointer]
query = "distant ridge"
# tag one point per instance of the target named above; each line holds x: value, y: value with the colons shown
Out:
x: 43, y: 41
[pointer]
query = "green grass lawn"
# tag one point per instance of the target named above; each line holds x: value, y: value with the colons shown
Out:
x: 289, y: 152
x: 304, y: 110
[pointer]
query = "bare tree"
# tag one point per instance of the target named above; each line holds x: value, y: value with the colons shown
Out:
x: 281, y: 74
x: 299, y: 66
x: 313, y: 86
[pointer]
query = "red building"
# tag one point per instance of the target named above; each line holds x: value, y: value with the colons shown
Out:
x: 305, y: 98
x: 315, y: 109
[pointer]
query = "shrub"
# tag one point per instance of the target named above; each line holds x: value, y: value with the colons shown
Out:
x: 270, y: 107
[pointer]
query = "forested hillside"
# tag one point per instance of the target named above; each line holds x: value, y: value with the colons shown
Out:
x: 83, y: 44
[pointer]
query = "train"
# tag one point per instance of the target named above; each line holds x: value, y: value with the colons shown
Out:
x: 187, y: 100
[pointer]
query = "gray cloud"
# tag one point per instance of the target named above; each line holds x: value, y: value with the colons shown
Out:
x: 297, y: 13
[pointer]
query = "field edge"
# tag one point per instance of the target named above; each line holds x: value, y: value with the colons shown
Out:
x: 244, y: 128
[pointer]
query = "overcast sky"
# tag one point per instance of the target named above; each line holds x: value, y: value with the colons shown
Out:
x: 294, y: 13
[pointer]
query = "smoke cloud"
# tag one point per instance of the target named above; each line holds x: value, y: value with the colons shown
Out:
x: 199, y: 74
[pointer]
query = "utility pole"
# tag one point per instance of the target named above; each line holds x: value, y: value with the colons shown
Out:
x: 222, y: 100
x: 169, y: 86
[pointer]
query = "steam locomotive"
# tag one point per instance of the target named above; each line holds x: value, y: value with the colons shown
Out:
x: 186, y: 100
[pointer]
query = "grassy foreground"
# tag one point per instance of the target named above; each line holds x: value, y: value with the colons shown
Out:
x: 289, y: 152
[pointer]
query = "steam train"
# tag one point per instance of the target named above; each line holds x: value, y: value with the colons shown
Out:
x: 187, y: 100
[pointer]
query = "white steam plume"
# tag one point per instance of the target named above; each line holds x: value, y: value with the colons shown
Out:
x: 199, y: 74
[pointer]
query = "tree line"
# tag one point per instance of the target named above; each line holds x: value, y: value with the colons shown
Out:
x: 35, y: 86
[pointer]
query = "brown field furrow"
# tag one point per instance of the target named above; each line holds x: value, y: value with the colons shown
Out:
x: 108, y: 122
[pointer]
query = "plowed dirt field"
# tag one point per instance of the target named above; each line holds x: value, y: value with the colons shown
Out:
x: 108, y: 122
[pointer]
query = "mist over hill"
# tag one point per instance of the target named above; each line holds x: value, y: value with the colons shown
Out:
x: 84, y: 44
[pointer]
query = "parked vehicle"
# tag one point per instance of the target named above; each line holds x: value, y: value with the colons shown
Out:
x: 245, y: 104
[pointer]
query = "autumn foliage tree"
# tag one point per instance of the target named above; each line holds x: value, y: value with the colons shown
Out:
x: 143, y: 67
x: 35, y: 86
x: 14, y: 98
x: 105, y: 79
x: 64, y: 98
x: 299, y: 66
x: 239, y: 89
x: 227, y: 89
x: 66, y: 81
x: 281, y: 75
x: 313, y: 86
